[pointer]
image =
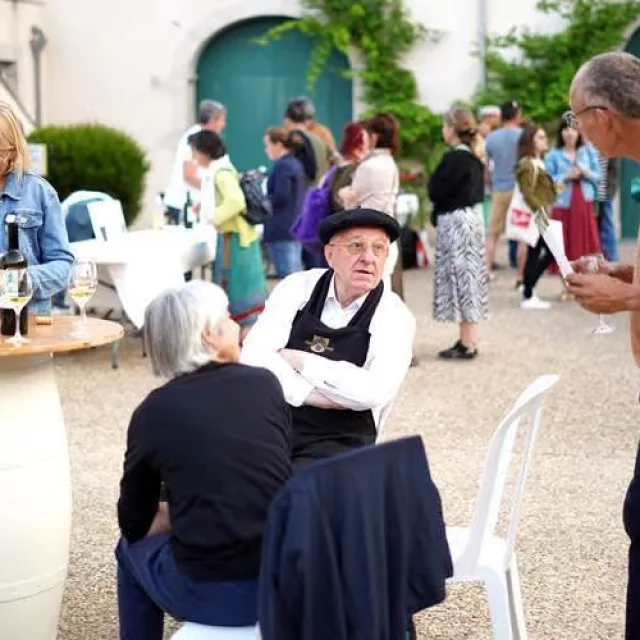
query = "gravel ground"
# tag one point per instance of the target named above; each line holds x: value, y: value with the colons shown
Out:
x: 571, y: 546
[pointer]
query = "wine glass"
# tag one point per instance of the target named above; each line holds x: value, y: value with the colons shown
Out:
x: 83, y: 281
x: 592, y: 266
x: 15, y: 291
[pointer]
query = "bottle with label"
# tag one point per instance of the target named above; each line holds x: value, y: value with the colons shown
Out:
x: 188, y: 212
x: 13, y: 260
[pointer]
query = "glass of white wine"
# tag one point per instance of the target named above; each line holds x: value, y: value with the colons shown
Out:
x: 16, y: 290
x: 592, y: 266
x: 83, y: 281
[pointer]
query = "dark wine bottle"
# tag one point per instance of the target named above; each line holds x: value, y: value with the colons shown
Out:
x: 13, y: 259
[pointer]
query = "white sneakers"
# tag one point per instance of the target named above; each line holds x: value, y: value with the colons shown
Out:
x: 534, y: 303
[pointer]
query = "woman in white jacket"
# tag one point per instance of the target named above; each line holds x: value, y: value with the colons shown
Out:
x: 376, y: 181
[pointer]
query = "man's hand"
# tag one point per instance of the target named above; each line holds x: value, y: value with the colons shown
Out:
x: 294, y: 358
x: 616, y: 270
x: 602, y: 293
x: 604, y: 267
x: 161, y: 523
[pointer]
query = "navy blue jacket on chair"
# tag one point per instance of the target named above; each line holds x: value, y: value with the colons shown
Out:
x: 354, y: 544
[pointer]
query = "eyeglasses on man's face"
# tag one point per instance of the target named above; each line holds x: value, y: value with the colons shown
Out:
x: 571, y: 118
x: 358, y: 247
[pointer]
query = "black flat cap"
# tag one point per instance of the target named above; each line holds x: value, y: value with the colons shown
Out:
x: 352, y: 218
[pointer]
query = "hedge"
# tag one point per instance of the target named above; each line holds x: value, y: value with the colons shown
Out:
x: 97, y: 158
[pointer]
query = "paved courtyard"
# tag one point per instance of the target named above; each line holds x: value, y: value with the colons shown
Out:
x: 571, y: 546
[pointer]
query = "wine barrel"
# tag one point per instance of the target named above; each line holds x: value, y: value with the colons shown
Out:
x: 35, y: 498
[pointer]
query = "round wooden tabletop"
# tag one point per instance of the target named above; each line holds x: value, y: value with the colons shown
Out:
x: 59, y: 336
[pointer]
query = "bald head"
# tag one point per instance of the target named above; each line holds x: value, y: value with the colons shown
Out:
x: 610, y: 80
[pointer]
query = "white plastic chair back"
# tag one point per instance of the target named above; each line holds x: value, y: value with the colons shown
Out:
x: 107, y: 219
x: 192, y: 631
x: 487, y: 507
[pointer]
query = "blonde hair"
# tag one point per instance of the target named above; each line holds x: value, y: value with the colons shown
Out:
x: 465, y: 127
x: 12, y: 139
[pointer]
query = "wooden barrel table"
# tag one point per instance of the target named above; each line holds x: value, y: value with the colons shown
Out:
x: 35, y: 481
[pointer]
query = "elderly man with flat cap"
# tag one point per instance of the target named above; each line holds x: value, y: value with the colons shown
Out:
x: 339, y: 341
x: 605, y: 102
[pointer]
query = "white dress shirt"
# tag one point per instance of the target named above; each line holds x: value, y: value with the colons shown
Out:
x: 372, y: 386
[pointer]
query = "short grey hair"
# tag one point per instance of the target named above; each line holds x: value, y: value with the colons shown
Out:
x: 173, y: 326
x: 611, y: 80
x: 210, y: 110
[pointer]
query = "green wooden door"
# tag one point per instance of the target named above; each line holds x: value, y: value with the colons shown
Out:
x: 629, y: 169
x: 255, y: 82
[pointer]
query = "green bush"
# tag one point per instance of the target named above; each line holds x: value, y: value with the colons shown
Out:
x: 95, y: 157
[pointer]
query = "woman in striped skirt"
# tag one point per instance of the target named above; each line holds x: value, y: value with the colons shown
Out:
x: 456, y: 190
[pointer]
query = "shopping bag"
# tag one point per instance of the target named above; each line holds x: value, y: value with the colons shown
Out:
x: 521, y: 225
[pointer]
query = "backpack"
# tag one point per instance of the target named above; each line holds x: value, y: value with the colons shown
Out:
x: 315, y: 208
x: 259, y: 207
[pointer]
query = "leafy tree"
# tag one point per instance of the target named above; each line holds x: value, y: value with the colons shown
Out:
x: 540, y: 73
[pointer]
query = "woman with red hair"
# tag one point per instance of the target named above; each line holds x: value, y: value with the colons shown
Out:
x: 353, y: 148
x: 376, y: 182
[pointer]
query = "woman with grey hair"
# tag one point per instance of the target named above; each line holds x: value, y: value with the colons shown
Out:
x: 220, y: 460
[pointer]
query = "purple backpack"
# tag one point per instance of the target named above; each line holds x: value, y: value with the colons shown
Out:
x: 316, y: 207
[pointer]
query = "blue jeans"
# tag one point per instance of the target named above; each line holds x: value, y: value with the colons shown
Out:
x: 607, y: 230
x: 150, y: 584
x: 286, y: 256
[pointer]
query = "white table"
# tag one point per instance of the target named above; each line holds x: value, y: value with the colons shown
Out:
x: 141, y: 264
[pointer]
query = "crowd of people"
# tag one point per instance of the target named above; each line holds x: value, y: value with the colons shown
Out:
x: 323, y: 356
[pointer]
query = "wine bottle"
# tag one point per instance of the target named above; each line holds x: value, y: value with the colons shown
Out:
x: 13, y: 259
x: 188, y: 212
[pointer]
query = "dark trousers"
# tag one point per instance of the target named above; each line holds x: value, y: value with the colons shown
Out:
x: 538, y: 259
x: 513, y: 253
x: 631, y: 518
x: 150, y: 584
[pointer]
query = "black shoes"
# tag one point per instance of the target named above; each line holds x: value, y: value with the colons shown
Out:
x: 458, y: 352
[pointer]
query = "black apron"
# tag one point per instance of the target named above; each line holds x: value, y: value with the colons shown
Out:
x: 320, y: 433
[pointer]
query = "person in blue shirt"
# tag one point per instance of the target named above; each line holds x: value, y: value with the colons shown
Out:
x: 34, y: 202
x: 286, y: 189
x: 502, y: 152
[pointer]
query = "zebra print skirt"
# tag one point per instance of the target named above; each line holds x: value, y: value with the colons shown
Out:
x: 461, y: 288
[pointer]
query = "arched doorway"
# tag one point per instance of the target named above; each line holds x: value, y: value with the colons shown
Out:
x: 629, y: 210
x: 255, y: 82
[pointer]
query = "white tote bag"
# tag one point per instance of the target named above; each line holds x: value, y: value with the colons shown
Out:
x: 521, y: 225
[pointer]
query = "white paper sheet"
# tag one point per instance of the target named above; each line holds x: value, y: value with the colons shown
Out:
x: 551, y: 231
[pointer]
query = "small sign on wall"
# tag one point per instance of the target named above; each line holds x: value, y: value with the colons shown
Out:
x: 38, y: 153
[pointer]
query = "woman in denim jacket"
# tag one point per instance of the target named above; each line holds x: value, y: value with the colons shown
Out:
x: 34, y: 202
x: 574, y: 168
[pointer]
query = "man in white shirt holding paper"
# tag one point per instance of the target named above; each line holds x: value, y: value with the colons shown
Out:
x: 338, y: 340
x: 605, y: 103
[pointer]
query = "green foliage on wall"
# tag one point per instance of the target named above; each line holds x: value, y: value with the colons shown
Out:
x: 536, y: 69
x: 381, y: 32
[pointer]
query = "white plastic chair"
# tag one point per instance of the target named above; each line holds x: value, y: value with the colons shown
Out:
x: 107, y: 219
x: 192, y: 631
x: 477, y: 553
